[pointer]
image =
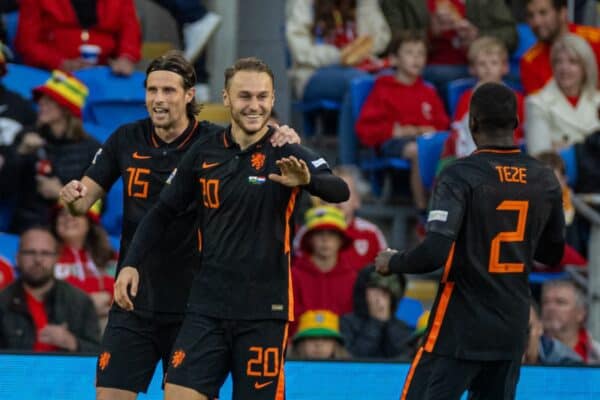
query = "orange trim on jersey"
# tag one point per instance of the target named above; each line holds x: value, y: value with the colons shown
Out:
x: 448, y: 264
x: 533, y: 52
x: 199, y: 240
x: 190, y: 135
x: 225, y: 142
x: 287, y: 249
x: 440, y: 312
x: 280, y: 391
x: 411, y: 373
x: 511, y: 151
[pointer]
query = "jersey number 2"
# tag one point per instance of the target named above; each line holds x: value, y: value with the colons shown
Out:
x: 495, y: 266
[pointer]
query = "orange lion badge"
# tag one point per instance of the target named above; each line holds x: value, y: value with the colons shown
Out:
x: 177, y: 358
x: 103, y: 360
x: 258, y: 160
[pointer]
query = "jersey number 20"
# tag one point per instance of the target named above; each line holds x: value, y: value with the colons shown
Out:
x: 495, y: 266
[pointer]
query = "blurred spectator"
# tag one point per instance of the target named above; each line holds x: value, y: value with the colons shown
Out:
x: 328, y: 40
x: 85, y: 256
x: 488, y: 62
x: 452, y: 25
x: 542, y: 349
x: 196, y: 26
x: 563, y: 315
x: 39, y: 313
x: 372, y: 329
x: 565, y: 111
x: 51, y: 34
x: 15, y: 113
x: 54, y: 152
x: 318, y: 337
x: 322, y: 280
x: 549, y: 20
x: 7, y: 273
x: 367, y: 238
x: 570, y: 255
x: 402, y: 107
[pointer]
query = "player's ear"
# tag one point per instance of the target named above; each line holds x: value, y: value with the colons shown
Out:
x: 473, y: 125
x: 190, y: 94
x: 226, y: 102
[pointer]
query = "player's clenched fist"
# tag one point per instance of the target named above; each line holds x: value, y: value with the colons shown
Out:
x: 126, y: 285
x: 72, y: 191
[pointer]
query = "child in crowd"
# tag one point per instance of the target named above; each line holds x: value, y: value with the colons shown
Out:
x: 318, y: 337
x: 402, y: 107
x: 488, y: 62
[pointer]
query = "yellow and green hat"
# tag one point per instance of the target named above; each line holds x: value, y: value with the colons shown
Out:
x: 66, y: 90
x: 324, y: 218
x: 319, y: 324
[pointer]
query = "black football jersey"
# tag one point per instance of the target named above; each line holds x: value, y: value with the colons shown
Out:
x: 245, y: 225
x: 497, y: 205
x: 137, y: 155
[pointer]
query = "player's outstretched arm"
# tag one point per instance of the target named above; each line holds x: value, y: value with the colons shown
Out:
x: 428, y: 256
x: 78, y: 196
x: 147, y: 236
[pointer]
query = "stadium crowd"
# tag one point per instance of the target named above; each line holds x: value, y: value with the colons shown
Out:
x: 56, y: 293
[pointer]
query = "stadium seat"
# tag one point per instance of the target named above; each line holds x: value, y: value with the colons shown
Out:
x: 526, y: 40
x: 112, y: 217
x: 458, y: 86
x: 409, y: 310
x: 8, y: 246
x: 310, y: 109
x: 11, y: 22
x: 98, y: 132
x: 22, y: 79
x: 113, y: 100
x: 430, y: 148
x: 115, y: 242
x: 569, y: 157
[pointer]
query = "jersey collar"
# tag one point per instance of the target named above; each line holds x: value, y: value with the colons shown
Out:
x: 498, y: 150
x: 181, y: 140
x: 228, y: 141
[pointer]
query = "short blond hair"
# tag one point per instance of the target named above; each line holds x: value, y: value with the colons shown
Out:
x: 487, y: 45
x: 579, y: 47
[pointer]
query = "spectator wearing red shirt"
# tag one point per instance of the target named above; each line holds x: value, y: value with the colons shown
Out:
x: 50, y: 33
x: 564, y: 314
x: 488, y: 62
x: 85, y: 256
x: 39, y: 313
x: 549, y: 20
x: 7, y: 273
x: 322, y: 280
x: 402, y: 107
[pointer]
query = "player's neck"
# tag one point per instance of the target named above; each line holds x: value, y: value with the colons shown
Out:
x: 243, y: 138
x: 168, y: 135
x: 483, y: 141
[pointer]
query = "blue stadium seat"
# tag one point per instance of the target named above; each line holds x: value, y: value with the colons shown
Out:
x: 22, y: 79
x: 113, y: 100
x: 112, y: 217
x: 8, y: 246
x: 455, y: 89
x: 115, y: 242
x: 526, y: 40
x: 98, y: 132
x: 569, y: 157
x: 430, y: 148
x: 409, y: 310
x: 310, y: 109
x: 11, y: 22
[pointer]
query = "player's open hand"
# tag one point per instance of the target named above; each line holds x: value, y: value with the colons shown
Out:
x: 382, y: 261
x: 294, y: 172
x: 72, y: 191
x: 126, y: 285
x: 283, y: 135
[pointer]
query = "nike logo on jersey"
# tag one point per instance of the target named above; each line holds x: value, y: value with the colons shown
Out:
x: 206, y: 165
x: 140, y: 157
x: 259, y: 386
